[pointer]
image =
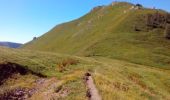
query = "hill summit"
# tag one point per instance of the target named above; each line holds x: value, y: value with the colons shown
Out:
x: 120, y: 30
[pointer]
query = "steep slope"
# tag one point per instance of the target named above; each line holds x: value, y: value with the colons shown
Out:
x: 109, y: 31
x: 10, y: 44
x: 80, y: 33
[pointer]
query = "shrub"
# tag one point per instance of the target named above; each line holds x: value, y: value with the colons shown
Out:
x: 63, y: 64
x: 60, y: 67
x: 167, y: 31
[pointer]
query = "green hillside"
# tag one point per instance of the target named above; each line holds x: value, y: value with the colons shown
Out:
x: 123, y: 48
x: 108, y: 31
x: 114, y: 79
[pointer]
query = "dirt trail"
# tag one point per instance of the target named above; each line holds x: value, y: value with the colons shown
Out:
x: 44, y: 89
x: 92, y: 92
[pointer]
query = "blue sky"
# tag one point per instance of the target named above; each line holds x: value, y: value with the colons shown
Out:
x: 21, y: 20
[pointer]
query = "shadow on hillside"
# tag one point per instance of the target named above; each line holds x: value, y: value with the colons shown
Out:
x: 7, y: 70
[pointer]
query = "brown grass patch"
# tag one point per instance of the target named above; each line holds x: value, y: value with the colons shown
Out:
x: 136, y: 79
x: 67, y: 62
x: 121, y: 86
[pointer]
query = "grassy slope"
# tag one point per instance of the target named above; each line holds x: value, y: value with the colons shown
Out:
x: 115, y: 79
x: 79, y: 34
x: 109, y: 32
x: 126, y: 81
x: 46, y: 64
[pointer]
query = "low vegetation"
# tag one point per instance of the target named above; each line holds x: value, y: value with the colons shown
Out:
x: 113, y: 78
x: 62, y: 66
x: 24, y: 69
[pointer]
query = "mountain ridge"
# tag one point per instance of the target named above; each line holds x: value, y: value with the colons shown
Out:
x: 10, y: 44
